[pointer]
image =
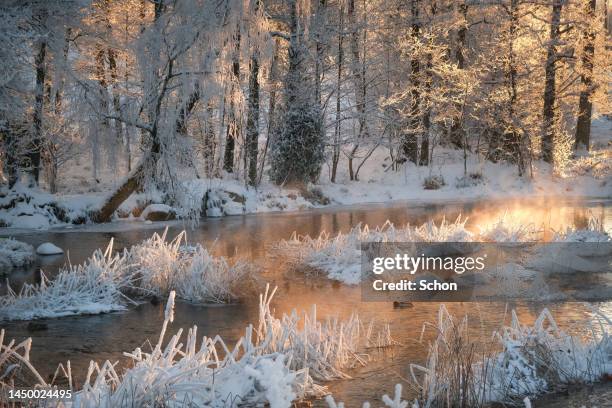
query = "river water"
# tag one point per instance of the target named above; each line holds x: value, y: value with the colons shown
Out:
x: 84, y: 338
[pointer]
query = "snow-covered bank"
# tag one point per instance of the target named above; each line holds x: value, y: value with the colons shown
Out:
x: 14, y: 254
x: 589, y: 176
x: 153, y: 267
x: 276, y: 362
x: 22, y: 207
x: 487, y: 181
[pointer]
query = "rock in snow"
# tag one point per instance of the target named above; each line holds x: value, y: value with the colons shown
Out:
x: 49, y: 249
x: 158, y: 212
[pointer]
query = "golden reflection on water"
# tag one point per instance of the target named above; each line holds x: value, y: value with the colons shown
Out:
x: 544, y: 215
x: 250, y: 238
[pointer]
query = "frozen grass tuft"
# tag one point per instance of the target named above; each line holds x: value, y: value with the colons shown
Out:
x: 272, y: 365
x: 395, y: 402
x: 594, y: 232
x: 154, y: 267
x: 16, y: 370
x: 340, y: 256
x: 533, y: 360
x: 326, y: 349
x: 14, y: 254
x: 185, y: 374
x: 507, y: 230
x: 91, y: 288
x: 159, y: 266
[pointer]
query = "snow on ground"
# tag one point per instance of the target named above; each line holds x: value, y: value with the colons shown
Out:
x: 589, y: 175
x: 14, y: 254
x: 152, y: 267
x: 28, y: 208
x: 490, y: 180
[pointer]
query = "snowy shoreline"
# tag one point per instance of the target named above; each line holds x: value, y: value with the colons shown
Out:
x: 131, y: 224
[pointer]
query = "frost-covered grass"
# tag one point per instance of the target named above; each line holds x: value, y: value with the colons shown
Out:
x: 395, y: 402
x: 520, y: 361
x: 14, y: 254
x: 15, y: 366
x: 595, y: 232
x: 183, y: 373
x: 325, y: 348
x: 507, y: 230
x: 273, y: 364
x: 340, y: 255
x: 91, y: 288
x: 153, y: 267
x: 159, y: 266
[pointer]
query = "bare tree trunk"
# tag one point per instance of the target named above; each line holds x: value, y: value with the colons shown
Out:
x: 34, y: 148
x: 457, y: 130
x: 253, y: 120
x: 548, y: 114
x: 101, y: 76
x: 60, y: 88
x: 112, y: 65
x: 233, y: 124
x: 320, y: 27
x: 338, y: 126
x: 180, y: 125
x: 209, y: 142
x: 351, y: 157
x: 410, y: 143
x: 131, y: 184
x: 424, y: 156
x: 9, y: 139
x: 512, y: 144
x: 272, y: 77
x: 104, y: 6
x: 585, y: 105
x: 50, y: 150
x: 358, y: 69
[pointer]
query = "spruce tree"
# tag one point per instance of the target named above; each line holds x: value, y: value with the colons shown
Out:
x: 298, y: 149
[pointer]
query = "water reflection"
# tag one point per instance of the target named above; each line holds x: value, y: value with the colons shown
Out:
x: 81, y: 339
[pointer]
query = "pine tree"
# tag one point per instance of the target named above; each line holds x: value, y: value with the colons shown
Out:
x: 297, y: 151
